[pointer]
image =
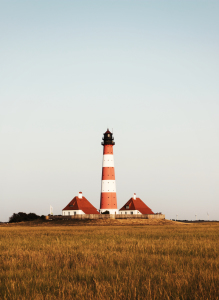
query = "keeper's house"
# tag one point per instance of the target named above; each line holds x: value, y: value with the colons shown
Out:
x: 136, y: 206
x: 79, y: 205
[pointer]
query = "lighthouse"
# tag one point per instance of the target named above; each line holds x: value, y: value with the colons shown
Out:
x: 108, y: 199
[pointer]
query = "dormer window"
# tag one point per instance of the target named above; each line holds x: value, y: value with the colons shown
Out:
x: 127, y: 207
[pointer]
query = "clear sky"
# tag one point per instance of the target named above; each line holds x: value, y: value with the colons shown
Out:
x: 148, y: 69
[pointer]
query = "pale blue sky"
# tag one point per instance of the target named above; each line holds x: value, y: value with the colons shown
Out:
x: 147, y: 69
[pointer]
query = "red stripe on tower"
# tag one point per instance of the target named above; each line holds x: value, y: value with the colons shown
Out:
x: 108, y: 199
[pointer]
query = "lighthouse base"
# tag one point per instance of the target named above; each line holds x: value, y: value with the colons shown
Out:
x: 111, y: 211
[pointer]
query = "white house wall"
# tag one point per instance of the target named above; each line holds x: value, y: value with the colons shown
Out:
x: 129, y: 212
x: 72, y: 212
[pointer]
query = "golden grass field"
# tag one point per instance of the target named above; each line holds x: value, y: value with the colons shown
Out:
x: 109, y: 259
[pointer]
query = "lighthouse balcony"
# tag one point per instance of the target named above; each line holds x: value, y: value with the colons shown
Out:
x: 107, y: 143
x: 108, y: 138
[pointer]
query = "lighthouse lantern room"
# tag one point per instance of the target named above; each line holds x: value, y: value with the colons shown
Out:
x: 108, y: 199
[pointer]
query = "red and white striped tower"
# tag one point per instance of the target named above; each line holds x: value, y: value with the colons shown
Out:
x: 108, y: 200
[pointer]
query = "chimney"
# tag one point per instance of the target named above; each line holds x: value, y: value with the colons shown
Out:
x: 134, y: 196
x: 80, y: 195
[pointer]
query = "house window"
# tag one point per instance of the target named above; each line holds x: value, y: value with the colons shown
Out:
x: 74, y: 212
x: 69, y: 213
x: 64, y: 212
x: 131, y: 212
x: 126, y: 213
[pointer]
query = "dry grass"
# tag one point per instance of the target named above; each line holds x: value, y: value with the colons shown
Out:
x: 172, y: 261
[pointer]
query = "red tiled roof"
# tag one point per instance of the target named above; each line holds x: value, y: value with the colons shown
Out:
x: 81, y: 204
x: 139, y: 205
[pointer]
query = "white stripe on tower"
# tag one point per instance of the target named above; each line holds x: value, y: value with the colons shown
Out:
x: 108, y: 160
x: 108, y: 186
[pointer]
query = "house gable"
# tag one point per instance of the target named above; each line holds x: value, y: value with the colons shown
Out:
x: 81, y: 204
x: 137, y: 205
